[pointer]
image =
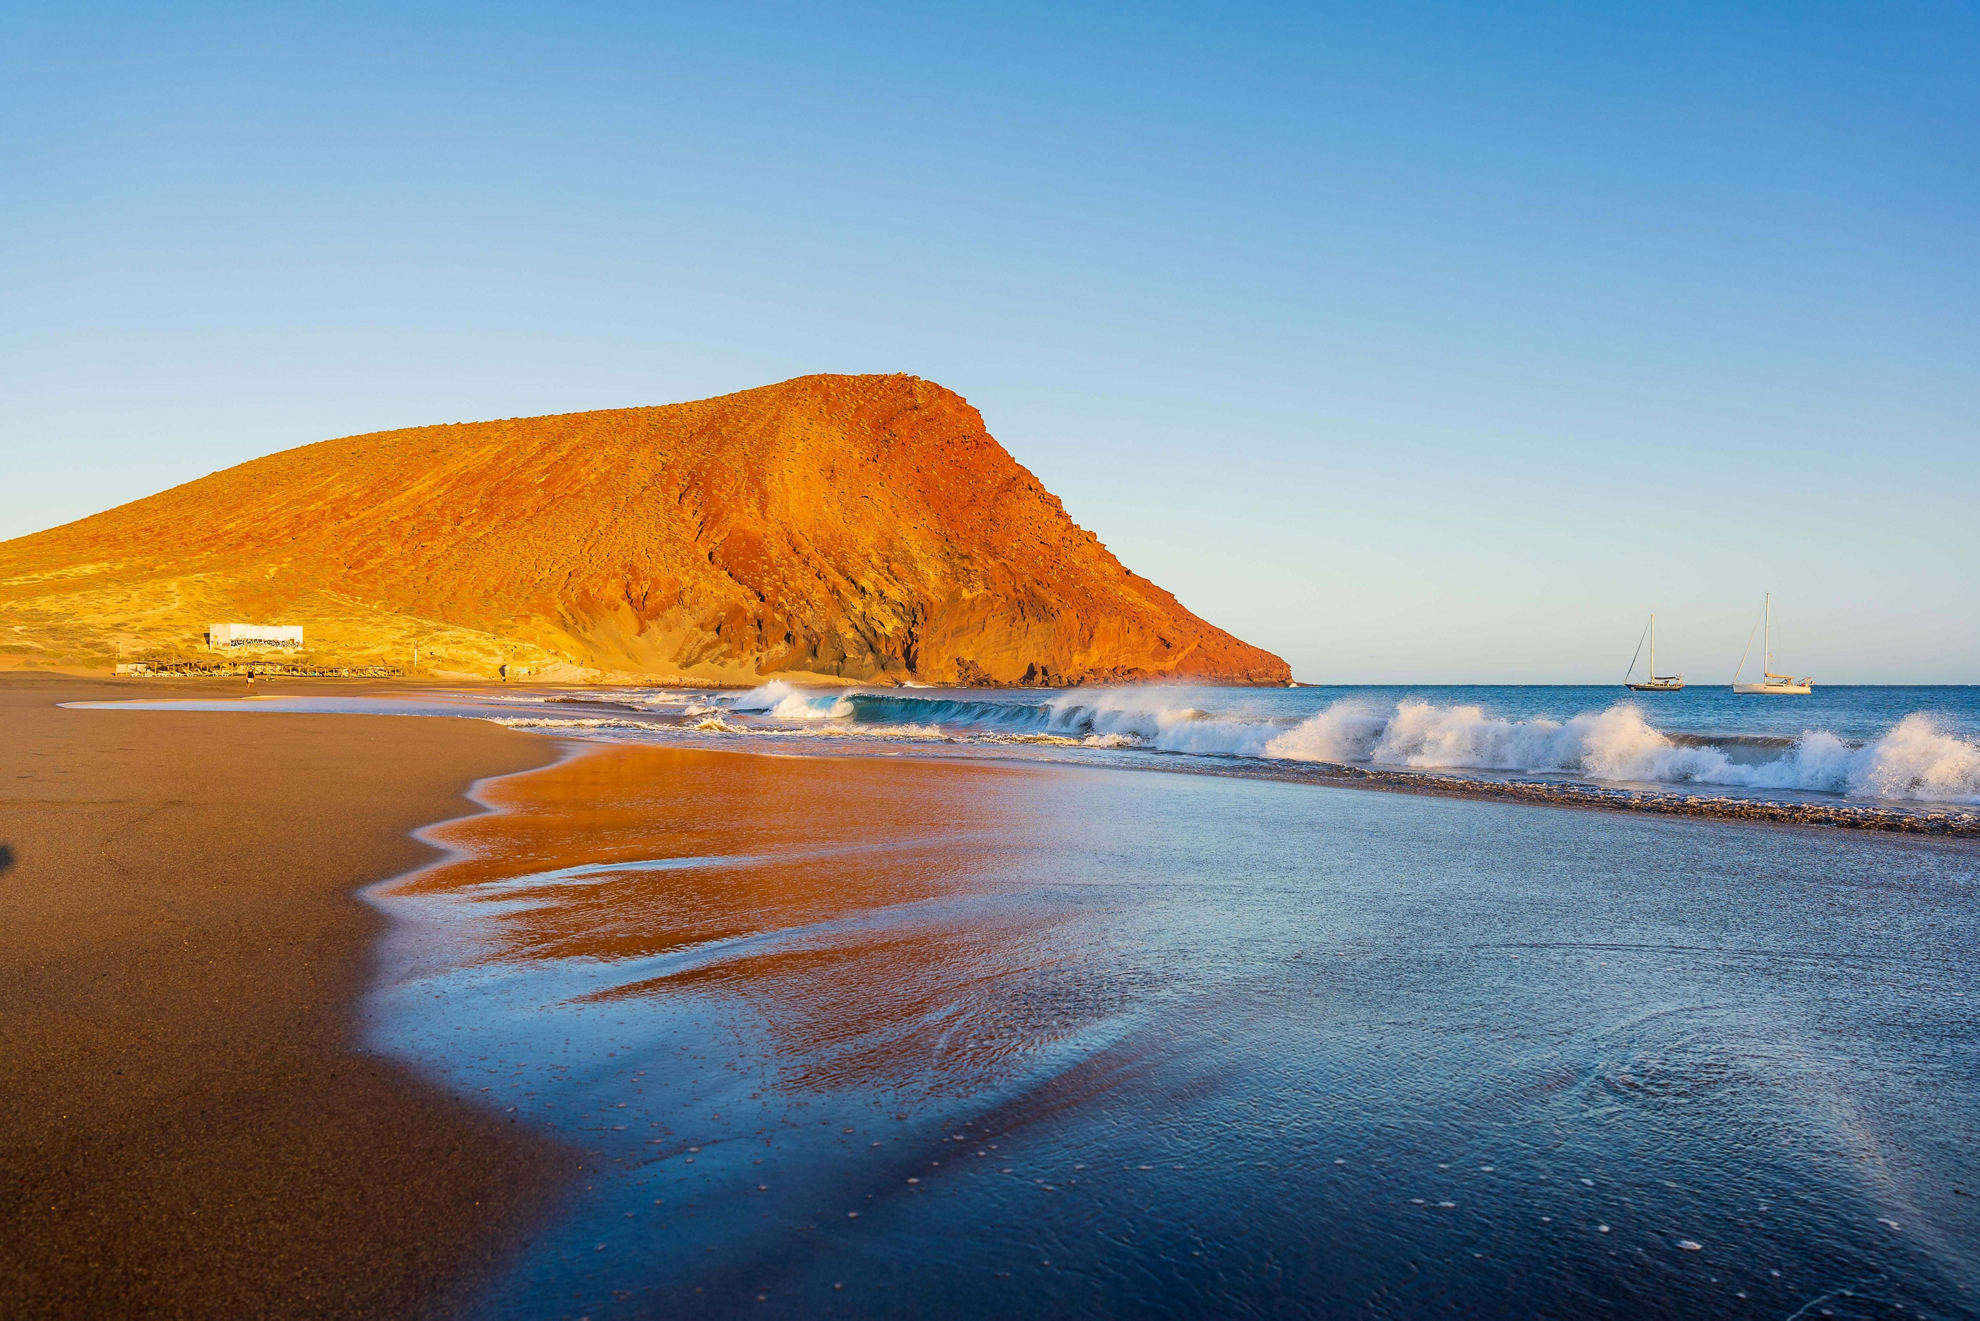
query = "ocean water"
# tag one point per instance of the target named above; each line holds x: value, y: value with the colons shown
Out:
x: 1861, y: 744
x: 1895, y: 747
x: 965, y: 1012
x: 884, y: 1037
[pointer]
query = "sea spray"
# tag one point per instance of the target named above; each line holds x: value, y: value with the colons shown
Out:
x: 1613, y: 744
x: 783, y: 701
x: 1155, y: 718
x: 1916, y: 759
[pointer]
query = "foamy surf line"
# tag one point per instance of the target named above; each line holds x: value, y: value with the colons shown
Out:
x: 1916, y: 760
x: 1847, y: 816
x: 1620, y: 740
x: 1917, y: 777
x: 1906, y: 765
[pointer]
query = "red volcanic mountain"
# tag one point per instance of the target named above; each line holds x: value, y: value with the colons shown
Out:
x: 866, y: 528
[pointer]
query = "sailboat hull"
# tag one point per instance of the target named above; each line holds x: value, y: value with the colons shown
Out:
x: 1772, y: 684
x: 1653, y: 682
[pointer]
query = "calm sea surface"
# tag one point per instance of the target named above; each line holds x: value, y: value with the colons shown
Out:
x: 885, y: 1037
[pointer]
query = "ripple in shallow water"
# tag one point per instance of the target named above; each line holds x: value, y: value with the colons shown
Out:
x: 985, y: 1041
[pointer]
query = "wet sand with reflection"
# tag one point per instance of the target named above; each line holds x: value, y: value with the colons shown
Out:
x: 871, y: 1037
x: 849, y: 903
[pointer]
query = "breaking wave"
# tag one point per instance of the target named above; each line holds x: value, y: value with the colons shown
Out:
x: 1916, y: 759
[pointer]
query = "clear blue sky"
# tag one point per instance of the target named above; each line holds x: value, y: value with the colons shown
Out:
x: 1413, y: 342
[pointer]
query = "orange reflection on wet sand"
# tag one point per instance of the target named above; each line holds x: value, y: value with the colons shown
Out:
x: 864, y: 909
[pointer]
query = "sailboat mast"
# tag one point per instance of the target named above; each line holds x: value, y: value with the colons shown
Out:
x: 1653, y: 649
x: 1767, y: 638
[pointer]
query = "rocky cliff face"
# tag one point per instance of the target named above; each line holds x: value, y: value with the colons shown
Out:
x: 866, y: 528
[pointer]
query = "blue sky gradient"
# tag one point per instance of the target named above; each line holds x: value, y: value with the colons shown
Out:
x: 1433, y: 343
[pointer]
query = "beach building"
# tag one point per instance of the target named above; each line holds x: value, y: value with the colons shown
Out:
x: 221, y: 637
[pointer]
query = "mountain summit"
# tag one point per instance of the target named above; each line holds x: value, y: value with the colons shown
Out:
x: 865, y: 528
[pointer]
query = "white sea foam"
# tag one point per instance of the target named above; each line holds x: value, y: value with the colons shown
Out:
x: 566, y: 722
x: 1153, y: 718
x: 917, y: 732
x: 1915, y: 760
x: 783, y: 701
x: 1615, y: 744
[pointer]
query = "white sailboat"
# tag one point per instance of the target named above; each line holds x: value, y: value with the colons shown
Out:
x: 1653, y: 682
x: 1771, y: 684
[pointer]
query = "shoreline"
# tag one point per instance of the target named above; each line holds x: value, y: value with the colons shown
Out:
x: 768, y: 993
x: 194, y: 1124
x: 1934, y: 822
x: 202, y: 1116
x: 1920, y: 817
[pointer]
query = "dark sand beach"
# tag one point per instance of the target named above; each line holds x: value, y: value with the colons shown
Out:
x: 190, y: 1126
